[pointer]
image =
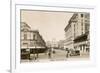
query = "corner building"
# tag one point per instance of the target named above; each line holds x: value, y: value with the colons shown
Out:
x: 77, y: 32
x: 31, y: 41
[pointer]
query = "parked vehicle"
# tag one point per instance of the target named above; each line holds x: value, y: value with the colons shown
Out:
x: 75, y: 53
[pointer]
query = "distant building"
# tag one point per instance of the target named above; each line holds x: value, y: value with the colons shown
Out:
x: 31, y: 40
x: 48, y: 44
x: 52, y: 44
x: 77, y: 32
x: 61, y: 44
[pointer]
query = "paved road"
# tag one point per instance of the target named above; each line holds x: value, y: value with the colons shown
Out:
x: 59, y: 55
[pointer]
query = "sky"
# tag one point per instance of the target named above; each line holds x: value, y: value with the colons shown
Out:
x: 50, y: 24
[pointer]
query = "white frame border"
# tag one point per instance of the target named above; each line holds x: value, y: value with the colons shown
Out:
x: 13, y: 33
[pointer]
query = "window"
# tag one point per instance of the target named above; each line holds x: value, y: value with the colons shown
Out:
x: 74, y: 31
x: 32, y: 43
x: 81, y: 15
x: 82, y: 26
x: 25, y: 43
x: 25, y: 36
x: 34, y: 36
x: 86, y: 27
x: 87, y: 15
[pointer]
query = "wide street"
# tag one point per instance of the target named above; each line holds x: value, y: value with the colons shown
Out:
x: 59, y: 55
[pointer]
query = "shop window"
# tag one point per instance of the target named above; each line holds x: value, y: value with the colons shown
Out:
x: 23, y: 50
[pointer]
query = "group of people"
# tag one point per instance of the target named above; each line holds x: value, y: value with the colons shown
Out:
x: 51, y: 52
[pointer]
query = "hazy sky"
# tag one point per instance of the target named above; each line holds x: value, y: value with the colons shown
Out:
x: 50, y: 24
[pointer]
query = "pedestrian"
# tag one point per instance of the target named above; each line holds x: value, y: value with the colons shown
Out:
x: 67, y: 53
x: 49, y: 55
x: 35, y: 58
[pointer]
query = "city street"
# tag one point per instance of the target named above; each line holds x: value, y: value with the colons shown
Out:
x: 59, y: 55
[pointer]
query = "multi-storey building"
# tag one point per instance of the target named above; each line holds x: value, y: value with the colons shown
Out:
x: 77, y: 32
x: 69, y: 34
x: 81, y: 32
x: 31, y: 41
x: 25, y: 36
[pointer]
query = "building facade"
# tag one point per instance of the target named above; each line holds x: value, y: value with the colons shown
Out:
x: 78, y: 31
x: 69, y: 35
x: 31, y: 41
x: 81, y: 33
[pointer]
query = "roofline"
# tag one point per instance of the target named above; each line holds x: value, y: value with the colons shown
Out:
x: 26, y: 24
x: 69, y: 22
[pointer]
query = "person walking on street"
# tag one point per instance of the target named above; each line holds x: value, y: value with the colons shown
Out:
x: 67, y: 53
x: 49, y: 54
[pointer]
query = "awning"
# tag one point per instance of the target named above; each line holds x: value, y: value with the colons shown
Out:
x: 23, y: 47
x: 80, y: 38
x: 37, y: 47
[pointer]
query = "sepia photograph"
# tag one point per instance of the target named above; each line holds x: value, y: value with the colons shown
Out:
x: 54, y: 36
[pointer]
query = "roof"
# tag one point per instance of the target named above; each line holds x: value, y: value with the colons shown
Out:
x: 25, y: 24
x: 71, y: 19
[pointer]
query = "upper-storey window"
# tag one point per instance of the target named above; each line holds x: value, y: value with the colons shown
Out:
x: 34, y: 37
x: 25, y: 36
x: 81, y: 15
